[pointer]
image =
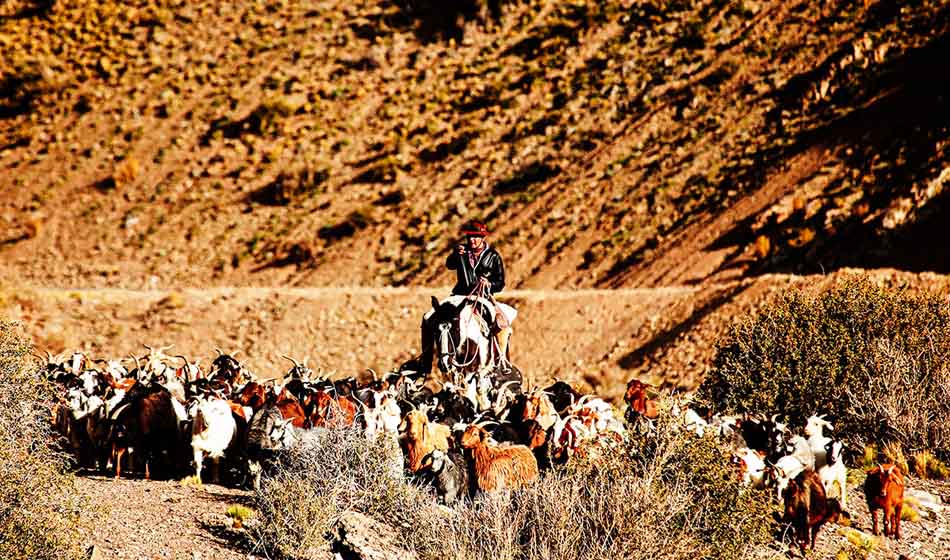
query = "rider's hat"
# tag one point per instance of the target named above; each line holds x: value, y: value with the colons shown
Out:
x: 475, y: 229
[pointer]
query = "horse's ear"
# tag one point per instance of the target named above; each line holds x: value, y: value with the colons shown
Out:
x: 435, y: 303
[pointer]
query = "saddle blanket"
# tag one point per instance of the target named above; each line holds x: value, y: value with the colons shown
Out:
x: 508, y: 311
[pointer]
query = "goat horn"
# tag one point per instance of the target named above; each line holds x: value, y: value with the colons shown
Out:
x: 184, y: 359
x: 138, y: 364
x: 166, y: 348
x: 286, y: 357
x: 218, y: 350
x: 485, y: 423
x: 505, y: 384
x: 147, y: 347
x: 374, y: 374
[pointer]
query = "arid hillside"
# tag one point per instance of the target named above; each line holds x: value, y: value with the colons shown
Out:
x: 170, y: 143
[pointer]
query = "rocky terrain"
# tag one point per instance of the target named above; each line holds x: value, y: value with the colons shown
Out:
x: 164, y: 143
x: 287, y: 177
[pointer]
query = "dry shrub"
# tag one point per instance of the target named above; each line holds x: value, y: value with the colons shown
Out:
x: 874, y: 358
x: 39, y: 503
x: 925, y: 465
x: 126, y: 172
x: 670, y: 496
x: 33, y: 227
x: 763, y: 246
x: 894, y: 455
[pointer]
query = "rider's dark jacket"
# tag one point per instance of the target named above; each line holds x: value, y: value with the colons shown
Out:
x: 489, y: 265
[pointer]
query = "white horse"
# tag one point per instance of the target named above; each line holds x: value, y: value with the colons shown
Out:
x: 464, y: 331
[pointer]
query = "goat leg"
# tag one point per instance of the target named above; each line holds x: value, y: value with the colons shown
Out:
x: 874, y: 521
x: 118, y: 462
x: 896, y: 523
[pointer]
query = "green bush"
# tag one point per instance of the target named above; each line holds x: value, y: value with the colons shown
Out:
x: 875, y: 358
x: 668, y: 496
x: 39, y: 503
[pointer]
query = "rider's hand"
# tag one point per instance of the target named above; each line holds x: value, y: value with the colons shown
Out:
x: 483, y: 283
x: 460, y: 249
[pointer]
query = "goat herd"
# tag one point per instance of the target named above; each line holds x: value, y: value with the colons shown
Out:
x: 483, y: 433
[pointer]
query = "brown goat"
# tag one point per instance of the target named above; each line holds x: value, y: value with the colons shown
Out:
x: 146, y: 422
x: 498, y: 467
x: 807, y: 507
x: 332, y: 412
x: 636, y: 398
x: 884, y: 489
x: 290, y: 409
x: 253, y: 394
x: 423, y: 437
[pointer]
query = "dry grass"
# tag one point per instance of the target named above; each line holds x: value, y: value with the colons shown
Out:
x: 39, y: 503
x: 659, y: 498
x: 925, y: 465
x: 126, y: 172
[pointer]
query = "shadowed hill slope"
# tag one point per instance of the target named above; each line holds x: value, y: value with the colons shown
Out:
x: 609, y: 143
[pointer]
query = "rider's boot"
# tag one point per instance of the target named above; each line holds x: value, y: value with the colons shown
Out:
x: 501, y: 337
x: 427, y: 342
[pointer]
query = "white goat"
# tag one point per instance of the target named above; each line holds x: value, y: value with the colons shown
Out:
x: 802, y: 450
x: 834, y: 475
x: 814, y: 431
x: 384, y: 417
x: 212, y: 432
x: 785, y: 469
x: 694, y: 422
x: 753, y: 467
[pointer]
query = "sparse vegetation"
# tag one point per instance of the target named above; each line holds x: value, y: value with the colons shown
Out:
x: 39, y: 505
x: 670, y: 497
x: 872, y: 357
x: 925, y: 465
x: 239, y: 515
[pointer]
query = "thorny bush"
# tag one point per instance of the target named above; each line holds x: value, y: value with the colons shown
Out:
x: 668, y: 496
x: 874, y: 358
x: 39, y: 503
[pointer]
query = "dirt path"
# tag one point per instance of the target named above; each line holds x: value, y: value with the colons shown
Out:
x: 926, y: 538
x: 596, y: 338
x: 141, y: 519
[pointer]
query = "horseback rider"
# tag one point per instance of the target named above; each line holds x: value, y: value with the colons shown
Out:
x: 479, y: 270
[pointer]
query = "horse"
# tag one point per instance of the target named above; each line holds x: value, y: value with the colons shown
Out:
x: 463, y: 333
x: 467, y: 349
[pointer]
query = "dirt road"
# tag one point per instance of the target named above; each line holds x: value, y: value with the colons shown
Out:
x: 595, y: 338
